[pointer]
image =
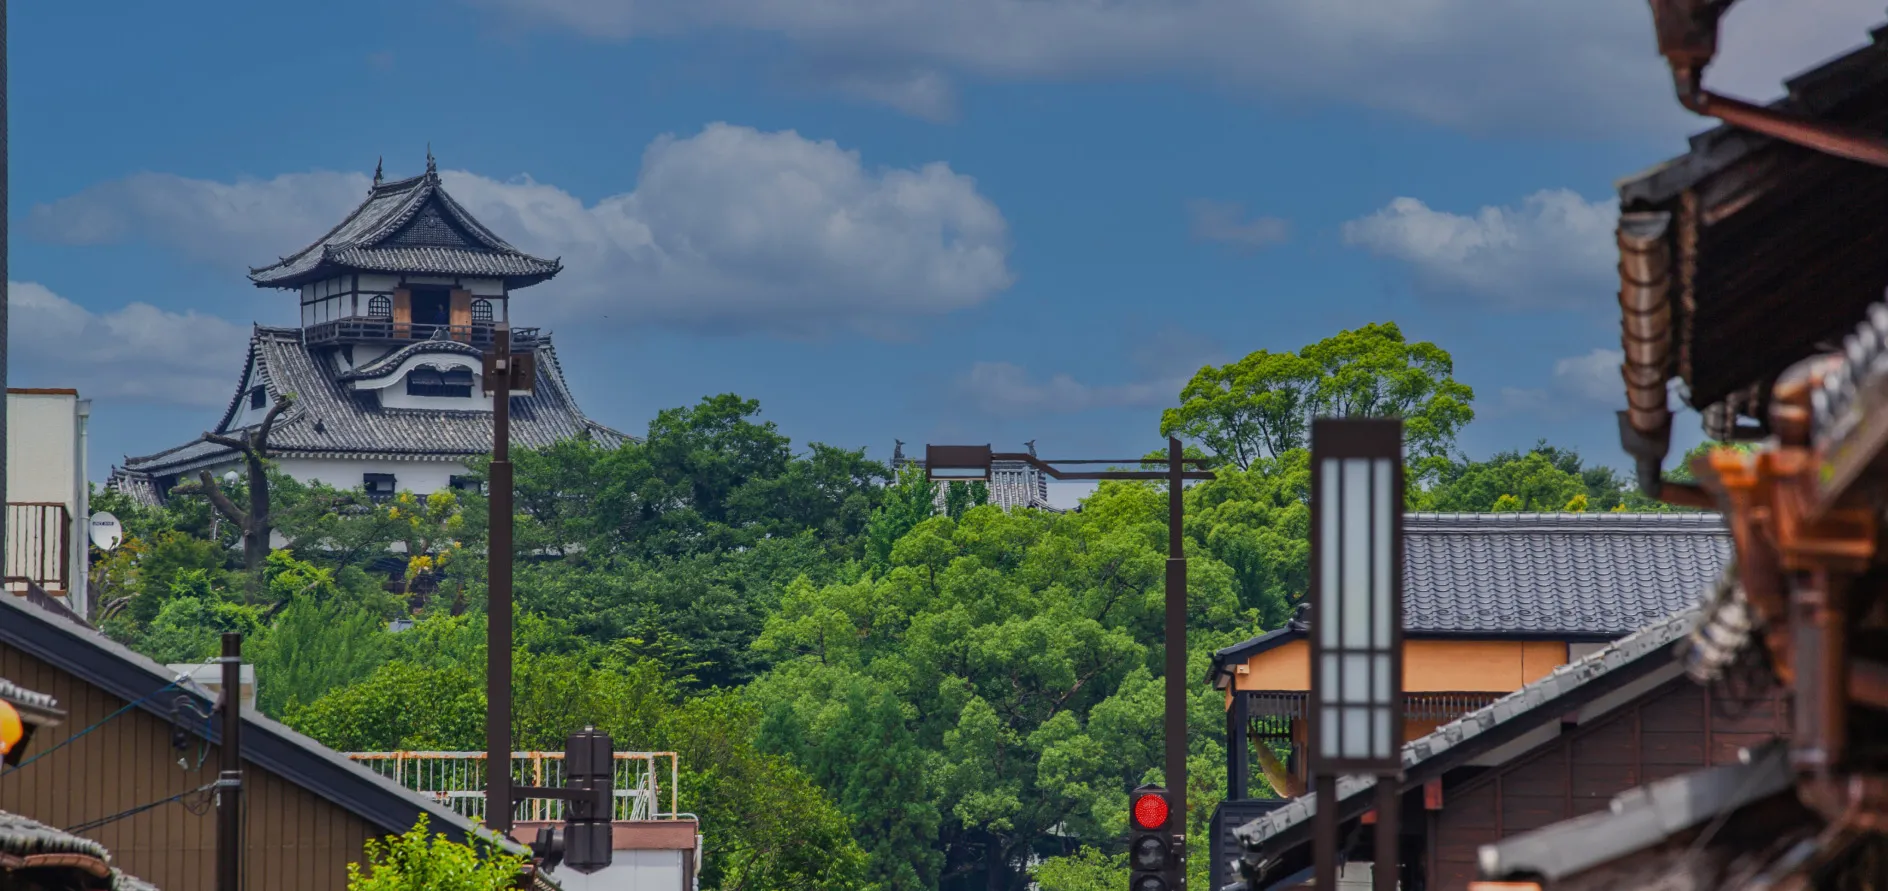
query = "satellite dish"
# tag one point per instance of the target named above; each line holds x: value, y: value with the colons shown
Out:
x: 107, y: 532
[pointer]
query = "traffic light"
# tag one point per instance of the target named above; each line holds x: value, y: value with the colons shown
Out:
x: 589, y: 766
x: 1152, y: 864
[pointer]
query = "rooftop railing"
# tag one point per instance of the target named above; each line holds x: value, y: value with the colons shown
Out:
x: 457, y: 780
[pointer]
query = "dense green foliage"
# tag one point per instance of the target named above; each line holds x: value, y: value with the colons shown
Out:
x: 865, y: 691
x: 412, y: 862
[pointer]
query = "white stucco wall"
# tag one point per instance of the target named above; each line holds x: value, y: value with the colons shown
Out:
x: 629, y: 871
x: 46, y: 464
x: 418, y: 477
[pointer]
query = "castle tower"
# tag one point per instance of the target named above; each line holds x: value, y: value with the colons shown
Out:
x: 397, y: 304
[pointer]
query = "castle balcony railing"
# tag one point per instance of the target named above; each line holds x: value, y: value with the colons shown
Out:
x: 383, y: 330
x: 457, y: 780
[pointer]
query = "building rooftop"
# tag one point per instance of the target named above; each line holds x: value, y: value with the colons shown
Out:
x: 1568, y: 576
x: 409, y: 226
x: 107, y: 665
x: 1565, y: 688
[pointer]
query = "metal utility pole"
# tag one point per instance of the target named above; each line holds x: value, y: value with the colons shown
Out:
x: 5, y: 190
x: 498, y: 600
x: 1176, y: 645
x: 229, y: 783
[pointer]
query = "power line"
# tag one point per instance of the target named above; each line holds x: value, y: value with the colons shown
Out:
x: 198, y: 809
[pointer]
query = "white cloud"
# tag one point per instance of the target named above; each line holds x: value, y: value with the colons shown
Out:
x: 1007, y: 390
x: 135, y: 353
x: 731, y: 229
x: 923, y: 94
x: 1587, y: 67
x: 1587, y: 381
x: 1226, y: 222
x: 1554, y: 250
x: 1593, y: 377
x: 249, y: 222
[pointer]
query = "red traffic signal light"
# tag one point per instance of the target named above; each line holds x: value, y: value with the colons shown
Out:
x: 1150, y: 811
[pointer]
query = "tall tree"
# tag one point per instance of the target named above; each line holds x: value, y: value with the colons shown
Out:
x: 255, y: 522
x: 1262, y: 405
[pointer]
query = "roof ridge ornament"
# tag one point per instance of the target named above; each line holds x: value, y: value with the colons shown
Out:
x: 432, y: 166
x: 378, y: 176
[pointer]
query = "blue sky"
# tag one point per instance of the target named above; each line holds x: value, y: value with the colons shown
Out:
x: 990, y: 220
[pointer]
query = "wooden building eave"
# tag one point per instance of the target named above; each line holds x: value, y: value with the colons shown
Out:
x: 101, y: 662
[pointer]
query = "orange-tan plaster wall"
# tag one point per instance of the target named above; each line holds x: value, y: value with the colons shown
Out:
x: 1429, y: 666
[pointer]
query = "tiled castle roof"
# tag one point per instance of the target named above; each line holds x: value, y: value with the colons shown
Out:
x: 409, y: 226
x: 326, y: 421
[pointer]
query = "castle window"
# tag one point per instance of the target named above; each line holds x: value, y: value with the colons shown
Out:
x: 481, y: 312
x: 465, y: 484
x: 258, y: 397
x: 381, y: 307
x: 428, y: 381
x: 378, y: 486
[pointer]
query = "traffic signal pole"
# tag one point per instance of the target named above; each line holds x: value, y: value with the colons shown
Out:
x: 1176, y: 644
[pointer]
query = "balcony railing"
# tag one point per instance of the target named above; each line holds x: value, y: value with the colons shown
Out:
x: 359, y: 330
x: 457, y: 780
x: 38, y: 547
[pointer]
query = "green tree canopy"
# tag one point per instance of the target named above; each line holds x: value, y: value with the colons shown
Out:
x: 1262, y: 405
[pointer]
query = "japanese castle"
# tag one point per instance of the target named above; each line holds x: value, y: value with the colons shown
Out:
x: 398, y: 304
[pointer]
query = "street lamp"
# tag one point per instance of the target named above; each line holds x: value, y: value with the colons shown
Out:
x: 958, y: 464
x: 1356, y: 714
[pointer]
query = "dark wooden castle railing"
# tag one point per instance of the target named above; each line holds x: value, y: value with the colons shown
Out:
x: 370, y: 329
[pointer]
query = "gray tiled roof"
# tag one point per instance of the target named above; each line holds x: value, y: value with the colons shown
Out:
x: 409, y: 226
x: 325, y: 421
x: 1646, y: 642
x: 1595, y: 576
x: 1584, y: 573
x: 23, y: 837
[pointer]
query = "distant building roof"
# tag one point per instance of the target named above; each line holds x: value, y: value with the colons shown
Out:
x: 408, y: 226
x: 1012, y: 483
x: 29, y: 844
x: 1567, y: 576
x: 326, y: 421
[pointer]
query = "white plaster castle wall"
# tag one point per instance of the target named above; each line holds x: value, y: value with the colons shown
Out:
x: 418, y: 477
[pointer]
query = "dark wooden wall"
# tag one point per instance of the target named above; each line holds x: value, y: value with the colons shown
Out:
x: 1675, y: 729
x: 293, y: 839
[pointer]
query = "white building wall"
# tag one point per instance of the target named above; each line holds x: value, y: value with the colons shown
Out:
x: 629, y: 871
x: 418, y: 477
x: 46, y: 444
